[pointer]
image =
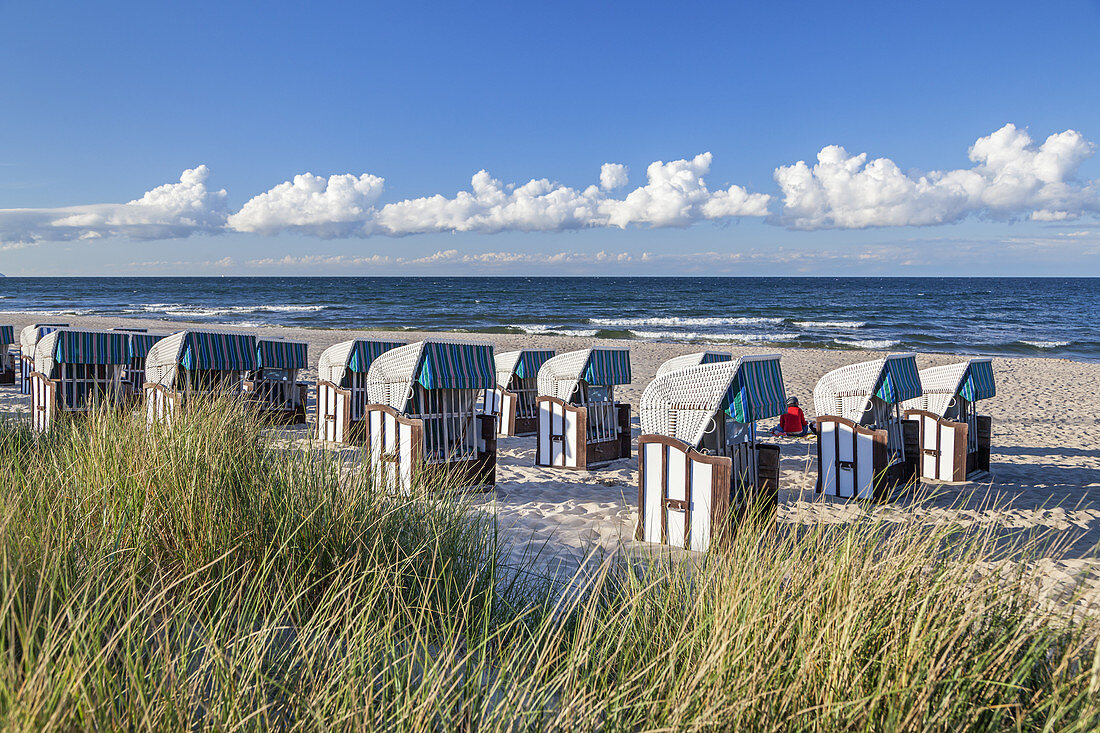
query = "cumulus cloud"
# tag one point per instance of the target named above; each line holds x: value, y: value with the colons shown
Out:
x: 340, y: 206
x: 675, y: 195
x: 166, y: 212
x: 1012, y: 178
x: 612, y: 176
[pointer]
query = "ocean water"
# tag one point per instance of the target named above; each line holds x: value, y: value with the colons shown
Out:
x: 994, y: 316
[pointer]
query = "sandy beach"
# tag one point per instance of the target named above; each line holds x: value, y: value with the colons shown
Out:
x: 1045, y: 459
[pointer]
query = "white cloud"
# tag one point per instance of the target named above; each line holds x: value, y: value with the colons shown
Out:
x: 1011, y: 178
x: 167, y: 212
x: 612, y: 176
x: 341, y: 206
x: 675, y: 195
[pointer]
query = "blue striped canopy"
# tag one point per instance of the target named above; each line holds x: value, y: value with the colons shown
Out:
x: 282, y: 354
x: 457, y: 366
x: 83, y: 347
x: 7, y: 334
x: 898, y: 380
x: 220, y: 351
x: 140, y: 343
x: 608, y: 366
x: 530, y: 361
x: 978, y: 383
x: 756, y: 392
x: 364, y: 353
x: 714, y: 357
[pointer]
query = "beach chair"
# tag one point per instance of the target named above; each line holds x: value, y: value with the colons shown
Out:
x: 342, y: 388
x: 422, y: 414
x: 273, y: 387
x: 514, y: 399
x: 28, y: 339
x: 580, y: 425
x: 701, y: 469
x: 677, y: 363
x: 75, y: 371
x: 865, y: 447
x: 190, y: 365
x: 954, y: 439
x: 8, y: 358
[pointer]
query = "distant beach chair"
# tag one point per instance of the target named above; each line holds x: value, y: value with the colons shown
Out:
x: 677, y: 363
x: 423, y: 414
x: 74, y: 371
x: 7, y: 356
x: 701, y: 470
x: 139, y: 341
x: 580, y: 425
x: 342, y: 388
x: 864, y: 445
x: 273, y: 387
x: 514, y: 399
x: 28, y: 339
x: 192, y: 364
x: 954, y: 439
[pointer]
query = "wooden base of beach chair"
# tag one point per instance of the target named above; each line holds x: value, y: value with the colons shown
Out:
x: 43, y: 401
x: 161, y: 403
x: 395, y: 445
x: 562, y: 436
x: 501, y: 404
x: 691, y: 500
x: 853, y: 462
x: 26, y: 368
x: 942, y: 453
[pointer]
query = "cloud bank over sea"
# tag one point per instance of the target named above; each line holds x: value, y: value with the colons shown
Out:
x: 1012, y: 177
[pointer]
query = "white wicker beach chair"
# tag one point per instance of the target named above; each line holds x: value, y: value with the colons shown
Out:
x: 580, y: 425
x: 701, y: 470
x: 514, y: 398
x: 342, y: 388
x: 75, y: 371
x: 273, y: 387
x: 422, y: 414
x: 28, y: 339
x: 191, y: 364
x: 954, y: 440
x: 864, y: 445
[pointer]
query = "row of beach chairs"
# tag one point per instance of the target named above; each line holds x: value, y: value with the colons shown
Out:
x: 443, y: 403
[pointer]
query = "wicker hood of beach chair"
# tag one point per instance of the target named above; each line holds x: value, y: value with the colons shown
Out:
x: 971, y: 380
x: 560, y: 375
x: 848, y: 391
x: 347, y: 357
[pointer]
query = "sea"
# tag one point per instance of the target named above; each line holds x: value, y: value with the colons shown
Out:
x: 1052, y: 317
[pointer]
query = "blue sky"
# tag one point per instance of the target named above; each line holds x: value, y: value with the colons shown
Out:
x: 104, y: 102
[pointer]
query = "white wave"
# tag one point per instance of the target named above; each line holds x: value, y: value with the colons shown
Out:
x: 751, y: 338
x: 678, y: 321
x: 830, y: 324
x: 867, y: 343
x: 537, y: 330
x: 180, y: 309
x: 1045, y: 344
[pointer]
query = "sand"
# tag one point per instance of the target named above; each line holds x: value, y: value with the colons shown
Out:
x: 1045, y: 460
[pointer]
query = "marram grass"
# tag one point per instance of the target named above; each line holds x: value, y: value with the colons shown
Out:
x: 195, y: 577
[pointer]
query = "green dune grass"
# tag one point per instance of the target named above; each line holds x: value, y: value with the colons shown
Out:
x: 197, y: 577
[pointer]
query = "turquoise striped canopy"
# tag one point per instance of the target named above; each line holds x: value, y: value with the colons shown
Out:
x: 756, y: 392
x: 282, y: 354
x: 219, y: 351
x: 140, y: 343
x: 978, y: 383
x: 899, y: 380
x: 457, y: 366
x: 84, y: 347
x: 7, y: 334
x: 530, y: 361
x: 608, y: 366
x: 364, y: 353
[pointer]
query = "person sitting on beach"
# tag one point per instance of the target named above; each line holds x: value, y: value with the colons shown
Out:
x: 793, y: 423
